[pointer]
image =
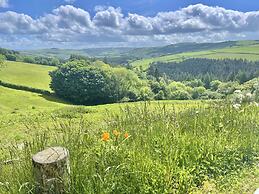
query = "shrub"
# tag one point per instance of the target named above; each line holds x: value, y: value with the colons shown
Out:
x: 198, y: 92
x: 214, y: 85
x: 145, y: 93
x: 83, y: 83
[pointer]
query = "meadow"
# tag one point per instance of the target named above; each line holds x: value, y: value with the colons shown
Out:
x: 167, y: 146
x: 26, y: 74
x: 249, y: 52
x: 150, y: 148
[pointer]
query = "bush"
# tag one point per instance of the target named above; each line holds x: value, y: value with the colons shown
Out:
x: 214, y: 85
x: 227, y: 87
x: 82, y: 83
x: 145, y: 93
x: 198, y: 92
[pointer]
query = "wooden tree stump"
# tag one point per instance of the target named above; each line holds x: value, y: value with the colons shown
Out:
x: 51, y: 171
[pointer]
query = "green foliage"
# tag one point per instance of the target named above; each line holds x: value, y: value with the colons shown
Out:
x: 198, y: 92
x: 227, y: 88
x: 194, y: 83
x: 24, y: 88
x: 214, y: 85
x: 2, y: 59
x: 86, y: 82
x: 145, y: 93
x: 179, y: 91
x: 83, y: 84
x: 208, y: 70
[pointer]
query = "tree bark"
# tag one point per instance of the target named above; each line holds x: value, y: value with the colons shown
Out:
x: 52, y: 171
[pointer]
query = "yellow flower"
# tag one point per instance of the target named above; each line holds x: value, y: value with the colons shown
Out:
x: 126, y: 135
x: 116, y: 133
x: 105, y: 136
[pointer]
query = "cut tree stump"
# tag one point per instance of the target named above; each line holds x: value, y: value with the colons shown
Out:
x: 51, y: 171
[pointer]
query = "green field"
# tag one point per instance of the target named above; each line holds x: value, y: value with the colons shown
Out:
x: 25, y: 74
x: 173, y: 146
x: 249, y: 52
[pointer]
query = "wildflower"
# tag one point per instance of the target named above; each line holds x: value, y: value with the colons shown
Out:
x: 237, y: 106
x: 126, y: 135
x: 105, y: 136
x: 116, y: 133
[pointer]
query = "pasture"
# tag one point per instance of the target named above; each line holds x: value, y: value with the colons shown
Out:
x: 249, y: 52
x: 167, y: 146
x: 32, y: 75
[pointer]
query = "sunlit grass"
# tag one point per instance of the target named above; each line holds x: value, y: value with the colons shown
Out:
x: 166, y: 149
x: 32, y: 75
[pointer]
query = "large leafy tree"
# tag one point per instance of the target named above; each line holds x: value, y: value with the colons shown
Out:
x: 83, y: 84
x: 92, y: 82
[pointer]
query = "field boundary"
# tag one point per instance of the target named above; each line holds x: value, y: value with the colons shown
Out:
x: 25, y: 88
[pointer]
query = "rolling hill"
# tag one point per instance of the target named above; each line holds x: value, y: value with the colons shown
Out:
x: 243, y: 50
x: 25, y: 74
x: 125, y: 55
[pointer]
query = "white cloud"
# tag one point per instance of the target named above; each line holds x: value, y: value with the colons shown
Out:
x: 109, y: 25
x: 109, y: 17
x: 4, y: 3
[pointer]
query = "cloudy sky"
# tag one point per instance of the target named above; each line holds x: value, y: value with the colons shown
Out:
x: 31, y: 24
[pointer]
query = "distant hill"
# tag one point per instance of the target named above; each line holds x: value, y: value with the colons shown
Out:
x: 248, y: 50
x: 122, y: 55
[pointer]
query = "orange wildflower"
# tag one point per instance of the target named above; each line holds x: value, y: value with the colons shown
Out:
x: 105, y: 136
x: 126, y: 135
x: 116, y: 133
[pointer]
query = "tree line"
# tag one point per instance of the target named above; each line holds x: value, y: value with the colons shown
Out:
x: 84, y: 81
x: 207, y: 69
x: 12, y: 55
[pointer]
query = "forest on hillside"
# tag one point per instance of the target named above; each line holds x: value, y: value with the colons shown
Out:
x: 213, y: 69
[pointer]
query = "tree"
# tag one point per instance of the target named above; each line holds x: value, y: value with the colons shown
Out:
x: 242, y: 77
x: 198, y: 92
x: 83, y: 84
x: 11, y: 57
x: 28, y: 59
x: 214, y: 85
x: 2, y: 59
x: 127, y: 83
x: 146, y: 94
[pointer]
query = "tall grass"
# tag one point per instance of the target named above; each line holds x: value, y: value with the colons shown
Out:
x: 167, y: 151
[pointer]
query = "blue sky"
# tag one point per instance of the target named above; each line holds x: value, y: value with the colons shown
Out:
x: 37, y: 8
x: 98, y: 23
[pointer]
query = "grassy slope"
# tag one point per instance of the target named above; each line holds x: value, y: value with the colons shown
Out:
x: 20, y: 108
x: 32, y: 75
x: 245, y: 51
x: 15, y: 100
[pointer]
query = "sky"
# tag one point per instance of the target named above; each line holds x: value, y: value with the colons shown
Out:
x: 76, y: 24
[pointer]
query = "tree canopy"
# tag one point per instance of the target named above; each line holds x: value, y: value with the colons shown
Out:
x: 83, y: 83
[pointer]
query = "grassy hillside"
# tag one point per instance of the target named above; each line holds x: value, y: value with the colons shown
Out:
x: 20, y: 101
x: 199, y: 149
x: 249, y: 51
x: 19, y: 109
x: 26, y: 74
x: 171, y: 147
